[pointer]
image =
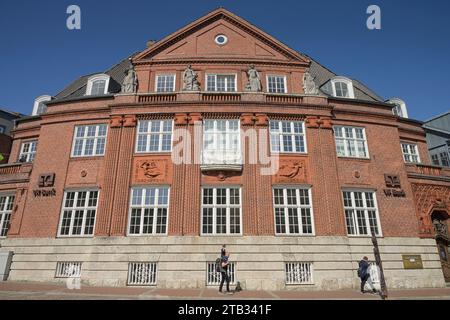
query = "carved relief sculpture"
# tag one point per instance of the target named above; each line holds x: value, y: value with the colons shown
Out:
x: 190, y: 81
x: 292, y: 170
x: 149, y: 170
x: 254, y: 80
x: 309, y: 86
x: 129, y: 84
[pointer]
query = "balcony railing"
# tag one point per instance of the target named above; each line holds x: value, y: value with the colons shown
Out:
x: 220, y: 160
x: 421, y: 170
x: 10, y: 168
x: 15, y: 172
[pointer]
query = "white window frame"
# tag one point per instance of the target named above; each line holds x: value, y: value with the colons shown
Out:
x: 298, y: 206
x: 348, y: 82
x: 97, y: 77
x: 400, y: 106
x: 149, y: 133
x: 37, y: 101
x: 413, y: 151
x: 365, y: 209
x: 174, y: 75
x: 4, y: 212
x: 214, y: 206
x: 293, y: 272
x: 276, y: 76
x: 142, y: 206
x: 29, y: 155
x: 215, y: 75
x: 354, y: 139
x: 226, y: 156
x: 292, y: 133
x: 74, y: 208
x: 85, y: 137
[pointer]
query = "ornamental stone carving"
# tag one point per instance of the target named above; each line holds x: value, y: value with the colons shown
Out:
x: 291, y: 171
x: 150, y: 170
x: 309, y: 86
x: 130, y: 82
x: 254, y: 80
x: 190, y: 81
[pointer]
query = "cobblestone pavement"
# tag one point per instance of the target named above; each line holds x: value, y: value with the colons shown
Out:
x: 46, y: 291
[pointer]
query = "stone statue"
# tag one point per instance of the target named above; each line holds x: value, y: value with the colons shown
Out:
x: 440, y: 227
x: 129, y: 84
x: 190, y: 80
x: 254, y: 81
x: 309, y: 86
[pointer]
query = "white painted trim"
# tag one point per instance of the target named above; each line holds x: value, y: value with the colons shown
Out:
x: 215, y: 83
x: 165, y: 75
x: 292, y: 134
x: 97, y: 77
x: 348, y: 82
x: 37, y: 101
x: 148, y: 133
x: 96, y: 137
x: 278, y: 76
x: 399, y: 102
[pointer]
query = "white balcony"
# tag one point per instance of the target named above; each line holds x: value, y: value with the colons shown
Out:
x: 221, y: 161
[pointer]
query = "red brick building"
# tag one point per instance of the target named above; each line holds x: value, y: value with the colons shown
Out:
x: 219, y: 134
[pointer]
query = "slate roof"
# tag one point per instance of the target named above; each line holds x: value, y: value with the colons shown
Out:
x: 11, y: 114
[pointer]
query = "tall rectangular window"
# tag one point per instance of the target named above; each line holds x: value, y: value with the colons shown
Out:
x: 28, y: 151
x: 361, y: 213
x: 276, y: 84
x: 445, y: 161
x: 351, y: 142
x: 287, y: 136
x: 98, y: 87
x: 6, y: 207
x: 410, y: 153
x: 154, y: 136
x: 78, y: 213
x: 89, y: 140
x: 221, y: 82
x: 221, y: 142
x: 149, y: 211
x: 165, y: 83
x: 221, y: 211
x: 293, y: 211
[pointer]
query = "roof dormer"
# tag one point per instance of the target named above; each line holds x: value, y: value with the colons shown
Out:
x: 39, y: 106
x: 97, y: 85
x: 399, y: 108
x: 339, y: 87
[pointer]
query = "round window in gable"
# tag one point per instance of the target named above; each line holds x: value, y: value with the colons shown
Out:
x: 221, y: 39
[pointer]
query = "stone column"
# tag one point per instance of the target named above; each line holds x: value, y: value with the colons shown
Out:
x: 177, y: 191
x: 103, y: 219
x: 123, y: 175
x: 249, y: 192
x: 264, y: 185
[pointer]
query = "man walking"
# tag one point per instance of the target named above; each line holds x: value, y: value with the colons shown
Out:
x: 224, y: 261
x: 363, y: 273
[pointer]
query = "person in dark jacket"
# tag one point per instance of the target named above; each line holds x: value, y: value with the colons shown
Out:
x: 363, y: 273
x: 224, y: 256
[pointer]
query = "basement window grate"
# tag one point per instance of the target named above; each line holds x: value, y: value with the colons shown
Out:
x: 213, y: 277
x: 68, y: 269
x: 142, y: 273
x: 299, y: 272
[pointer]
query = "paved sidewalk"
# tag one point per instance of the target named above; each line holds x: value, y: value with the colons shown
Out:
x: 47, y: 291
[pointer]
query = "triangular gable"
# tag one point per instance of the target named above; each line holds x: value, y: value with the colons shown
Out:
x: 196, y: 40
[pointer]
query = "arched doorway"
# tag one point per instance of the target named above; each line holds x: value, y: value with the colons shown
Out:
x: 440, y: 220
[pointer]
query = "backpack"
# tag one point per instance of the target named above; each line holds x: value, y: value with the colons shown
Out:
x: 218, y: 265
x: 359, y: 272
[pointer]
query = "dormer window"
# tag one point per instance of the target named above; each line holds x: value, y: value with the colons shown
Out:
x: 97, y: 85
x: 342, y: 87
x: 399, y: 108
x: 39, y: 105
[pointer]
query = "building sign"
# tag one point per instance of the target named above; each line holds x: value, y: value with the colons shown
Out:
x: 412, y: 262
x: 45, y: 181
x: 394, y: 188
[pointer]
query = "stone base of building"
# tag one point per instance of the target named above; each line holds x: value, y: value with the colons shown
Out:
x: 260, y: 261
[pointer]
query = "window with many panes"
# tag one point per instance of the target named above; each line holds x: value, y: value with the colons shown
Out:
x: 149, y: 211
x: 78, y: 213
x: 444, y: 158
x: 221, y: 142
x: 28, y: 151
x: 221, y: 211
x: 410, y: 153
x: 89, y: 140
x: 98, y: 87
x: 351, y: 142
x: 276, y: 84
x: 154, y: 136
x: 6, y: 207
x: 293, y: 211
x: 361, y: 213
x: 165, y: 83
x: 221, y: 82
x: 287, y: 136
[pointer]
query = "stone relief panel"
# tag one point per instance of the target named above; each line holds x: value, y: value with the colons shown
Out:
x: 151, y: 170
x: 292, y: 170
x: 84, y: 172
x: 211, y: 177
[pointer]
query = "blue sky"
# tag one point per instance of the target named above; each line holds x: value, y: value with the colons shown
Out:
x: 409, y: 57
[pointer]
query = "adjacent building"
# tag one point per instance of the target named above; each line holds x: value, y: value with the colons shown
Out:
x: 221, y: 134
x: 438, y: 139
x: 6, y: 125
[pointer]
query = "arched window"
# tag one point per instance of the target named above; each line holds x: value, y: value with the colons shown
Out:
x: 342, y: 87
x: 399, y: 108
x: 39, y: 105
x: 97, y: 85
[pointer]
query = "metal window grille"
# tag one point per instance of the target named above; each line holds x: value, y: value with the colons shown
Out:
x: 299, y: 273
x: 142, y: 273
x: 213, y: 277
x: 68, y: 269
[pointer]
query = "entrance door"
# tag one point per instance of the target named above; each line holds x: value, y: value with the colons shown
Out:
x: 440, y: 224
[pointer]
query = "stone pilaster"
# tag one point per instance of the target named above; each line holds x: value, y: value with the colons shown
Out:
x: 123, y: 174
x: 18, y: 211
x: 103, y: 219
